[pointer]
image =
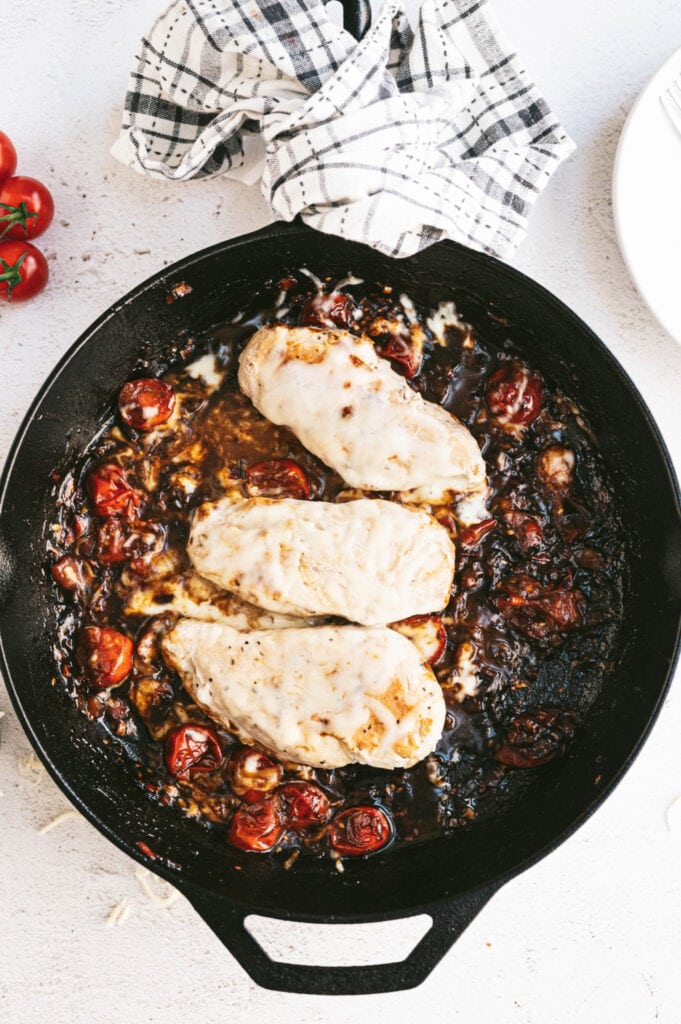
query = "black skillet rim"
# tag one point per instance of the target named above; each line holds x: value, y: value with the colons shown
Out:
x: 272, y: 231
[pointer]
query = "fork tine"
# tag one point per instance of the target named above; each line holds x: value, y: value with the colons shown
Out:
x: 671, y: 102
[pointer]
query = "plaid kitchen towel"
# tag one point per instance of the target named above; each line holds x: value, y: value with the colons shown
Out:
x: 398, y: 141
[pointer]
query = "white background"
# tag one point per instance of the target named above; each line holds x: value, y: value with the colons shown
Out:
x: 593, y: 933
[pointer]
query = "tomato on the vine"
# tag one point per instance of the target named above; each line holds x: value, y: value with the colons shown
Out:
x: 23, y: 271
x: 26, y: 208
x: 8, y: 157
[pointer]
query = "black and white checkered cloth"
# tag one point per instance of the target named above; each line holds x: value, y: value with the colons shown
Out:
x: 399, y: 140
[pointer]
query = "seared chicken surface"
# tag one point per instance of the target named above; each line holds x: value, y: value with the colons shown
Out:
x: 370, y: 561
x: 325, y: 697
x: 350, y: 409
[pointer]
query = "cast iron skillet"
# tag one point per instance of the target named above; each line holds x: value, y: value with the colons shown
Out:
x: 449, y: 878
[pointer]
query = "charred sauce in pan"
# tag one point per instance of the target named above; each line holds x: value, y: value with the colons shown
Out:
x: 535, y: 607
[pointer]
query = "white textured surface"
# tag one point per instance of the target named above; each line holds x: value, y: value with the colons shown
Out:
x: 592, y: 933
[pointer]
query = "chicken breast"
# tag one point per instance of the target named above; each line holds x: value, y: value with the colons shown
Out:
x: 369, y: 561
x: 325, y: 696
x: 349, y: 407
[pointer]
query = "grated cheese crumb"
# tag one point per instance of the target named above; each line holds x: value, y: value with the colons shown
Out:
x: 120, y: 913
x: 31, y: 767
x: 143, y: 875
x: 672, y: 814
x: 64, y: 816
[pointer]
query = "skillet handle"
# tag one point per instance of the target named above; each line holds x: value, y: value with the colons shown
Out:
x: 356, y: 17
x: 449, y: 922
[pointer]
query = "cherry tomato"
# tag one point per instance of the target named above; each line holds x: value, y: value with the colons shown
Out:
x: 146, y: 403
x: 535, y: 737
x: 540, y: 611
x: 302, y: 805
x: 252, y: 773
x: 23, y: 271
x: 427, y: 633
x: 119, y: 540
x: 277, y: 478
x: 255, y: 828
x: 471, y: 536
x: 514, y: 395
x: 8, y: 157
x: 110, y: 491
x: 334, y: 310
x: 526, y: 529
x: 107, y: 656
x: 360, y: 830
x: 192, y: 750
x: 26, y: 208
x: 72, y: 574
x: 399, y: 349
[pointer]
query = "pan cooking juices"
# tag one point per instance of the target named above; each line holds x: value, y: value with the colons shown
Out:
x: 517, y: 651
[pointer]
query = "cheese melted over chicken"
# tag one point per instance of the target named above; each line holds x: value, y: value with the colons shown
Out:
x: 370, y: 561
x: 349, y: 408
x: 324, y: 697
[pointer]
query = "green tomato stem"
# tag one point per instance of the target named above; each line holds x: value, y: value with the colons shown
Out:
x: 15, y: 215
x: 10, y: 273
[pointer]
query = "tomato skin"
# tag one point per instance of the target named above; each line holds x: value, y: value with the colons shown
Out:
x: 107, y: 656
x: 23, y: 271
x: 146, y: 403
x: 360, y: 830
x: 514, y: 395
x: 398, y: 350
x: 302, y: 805
x: 329, y: 311
x: 192, y: 749
x: 252, y: 773
x: 255, y: 828
x: 8, y: 157
x: 535, y: 737
x: 72, y: 574
x: 471, y: 536
x: 110, y: 491
x: 26, y: 208
x: 277, y: 478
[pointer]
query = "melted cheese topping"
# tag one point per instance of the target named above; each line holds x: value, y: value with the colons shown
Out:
x: 369, y: 561
x: 325, y: 697
x: 348, y: 407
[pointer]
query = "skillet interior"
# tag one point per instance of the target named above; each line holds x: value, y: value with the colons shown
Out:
x: 68, y: 413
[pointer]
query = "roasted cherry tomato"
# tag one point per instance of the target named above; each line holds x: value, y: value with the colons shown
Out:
x: 107, y: 656
x: 399, y: 349
x: 192, y: 750
x: 535, y: 737
x: 302, y: 805
x: 526, y: 529
x: 541, y: 611
x: 146, y: 403
x: 72, y: 574
x: 23, y: 271
x: 256, y: 828
x: 471, y: 536
x: 26, y: 208
x: 277, y: 478
x: 360, y: 830
x: 427, y: 633
x: 121, y: 539
x: 514, y: 395
x: 8, y: 157
x: 334, y: 310
x: 252, y: 773
x: 110, y: 491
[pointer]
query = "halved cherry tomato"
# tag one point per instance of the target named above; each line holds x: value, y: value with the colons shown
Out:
x: 252, y: 773
x: 107, y: 656
x: 192, y: 750
x: 302, y: 805
x: 400, y: 350
x: 536, y: 737
x: 360, y: 830
x: 256, y: 828
x: 110, y: 491
x: 26, y: 208
x: 8, y: 157
x: 146, y: 403
x: 427, y: 633
x: 471, y: 536
x: 23, y: 271
x: 333, y: 310
x: 277, y: 478
x: 514, y: 395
